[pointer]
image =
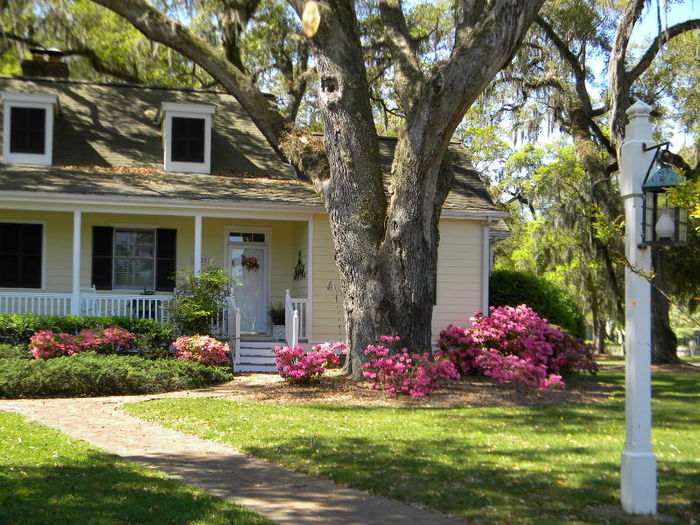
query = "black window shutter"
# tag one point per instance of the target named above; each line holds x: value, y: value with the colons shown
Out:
x: 102, y: 246
x: 166, y: 241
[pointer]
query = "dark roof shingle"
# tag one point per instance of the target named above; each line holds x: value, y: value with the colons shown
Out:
x: 107, y: 142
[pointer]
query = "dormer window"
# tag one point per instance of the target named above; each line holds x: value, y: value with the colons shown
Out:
x: 28, y: 128
x: 187, y: 137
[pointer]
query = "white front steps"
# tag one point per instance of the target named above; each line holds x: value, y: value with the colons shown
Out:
x: 257, y: 357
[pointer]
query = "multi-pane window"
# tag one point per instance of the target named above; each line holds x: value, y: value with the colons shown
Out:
x: 20, y: 255
x: 246, y: 237
x: 27, y: 125
x: 187, y: 139
x: 27, y: 130
x: 134, y: 259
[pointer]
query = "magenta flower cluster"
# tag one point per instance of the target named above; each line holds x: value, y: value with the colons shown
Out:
x: 202, y: 349
x: 299, y: 366
x: 47, y: 344
x: 515, y: 345
x: 403, y: 372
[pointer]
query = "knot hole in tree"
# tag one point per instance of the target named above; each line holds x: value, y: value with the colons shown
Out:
x: 331, y: 90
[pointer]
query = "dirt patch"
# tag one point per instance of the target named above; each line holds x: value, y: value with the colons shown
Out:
x: 336, y: 388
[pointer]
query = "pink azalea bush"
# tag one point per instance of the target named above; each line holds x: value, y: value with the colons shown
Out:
x: 299, y: 366
x: 203, y: 349
x: 516, y: 345
x: 104, y: 340
x: 47, y: 344
x: 402, y: 372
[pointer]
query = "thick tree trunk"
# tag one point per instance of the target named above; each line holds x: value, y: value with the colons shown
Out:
x: 663, y: 340
x: 393, y: 293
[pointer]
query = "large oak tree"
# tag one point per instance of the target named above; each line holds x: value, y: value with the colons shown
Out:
x: 385, y: 226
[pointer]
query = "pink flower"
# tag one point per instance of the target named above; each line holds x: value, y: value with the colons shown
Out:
x: 203, y: 349
x: 300, y: 366
x: 515, y: 345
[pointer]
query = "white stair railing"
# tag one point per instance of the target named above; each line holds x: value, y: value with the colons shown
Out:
x: 236, y: 337
x: 288, y: 318
x: 295, y: 329
x: 300, y: 305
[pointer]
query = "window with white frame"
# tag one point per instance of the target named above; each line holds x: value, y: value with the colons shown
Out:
x: 28, y: 128
x: 187, y: 137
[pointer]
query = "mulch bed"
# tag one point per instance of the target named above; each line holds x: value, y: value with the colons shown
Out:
x: 476, y: 391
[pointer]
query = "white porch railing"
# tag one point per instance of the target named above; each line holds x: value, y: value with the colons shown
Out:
x: 226, y: 326
x: 134, y: 306
x: 35, y: 303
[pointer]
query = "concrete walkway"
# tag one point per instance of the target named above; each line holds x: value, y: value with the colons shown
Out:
x: 281, y: 495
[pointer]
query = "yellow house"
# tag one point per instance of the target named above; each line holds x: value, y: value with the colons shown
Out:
x: 106, y: 191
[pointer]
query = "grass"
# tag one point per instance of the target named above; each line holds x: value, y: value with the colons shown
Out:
x: 526, y: 465
x: 46, y: 477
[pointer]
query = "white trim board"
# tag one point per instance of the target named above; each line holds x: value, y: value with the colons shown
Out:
x: 151, y: 206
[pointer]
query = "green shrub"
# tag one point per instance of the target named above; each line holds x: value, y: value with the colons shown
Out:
x: 151, y: 335
x: 91, y: 374
x: 14, y: 352
x: 199, y: 299
x: 511, y: 288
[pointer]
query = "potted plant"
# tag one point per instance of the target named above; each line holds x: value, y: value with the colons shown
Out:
x: 277, y: 315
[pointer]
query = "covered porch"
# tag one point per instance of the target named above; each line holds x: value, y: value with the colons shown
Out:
x: 121, y: 260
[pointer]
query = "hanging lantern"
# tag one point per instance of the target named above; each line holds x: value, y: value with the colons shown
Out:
x: 664, y: 223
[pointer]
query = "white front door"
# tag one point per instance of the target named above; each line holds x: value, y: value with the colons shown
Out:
x: 248, y: 268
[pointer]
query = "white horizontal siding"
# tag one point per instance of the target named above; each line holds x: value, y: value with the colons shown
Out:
x: 459, y: 287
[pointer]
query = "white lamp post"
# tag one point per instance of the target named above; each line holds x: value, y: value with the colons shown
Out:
x: 638, y: 473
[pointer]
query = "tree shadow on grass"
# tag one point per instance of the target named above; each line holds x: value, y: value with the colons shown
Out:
x: 101, y: 489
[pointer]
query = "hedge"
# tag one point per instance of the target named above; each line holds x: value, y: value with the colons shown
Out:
x: 14, y: 352
x: 151, y: 335
x: 90, y: 374
x: 549, y: 300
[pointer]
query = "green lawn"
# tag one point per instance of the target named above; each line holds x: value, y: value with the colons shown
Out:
x: 46, y: 477
x: 545, y: 464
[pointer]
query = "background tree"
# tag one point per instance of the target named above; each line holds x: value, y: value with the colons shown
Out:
x: 552, y: 84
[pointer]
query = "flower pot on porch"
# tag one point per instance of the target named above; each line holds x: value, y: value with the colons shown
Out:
x: 278, y: 333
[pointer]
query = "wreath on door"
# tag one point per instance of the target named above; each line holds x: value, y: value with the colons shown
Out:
x: 251, y: 263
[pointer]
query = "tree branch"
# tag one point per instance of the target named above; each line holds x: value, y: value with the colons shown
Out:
x: 657, y: 44
x: 233, y: 20
x: 618, y: 83
x: 570, y: 58
x: 408, y: 77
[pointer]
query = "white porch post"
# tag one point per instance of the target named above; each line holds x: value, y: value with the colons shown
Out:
x: 310, y: 279
x: 197, y: 244
x: 75, y: 297
x: 638, y: 474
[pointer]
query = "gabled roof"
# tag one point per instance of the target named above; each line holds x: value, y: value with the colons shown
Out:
x: 108, y: 141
